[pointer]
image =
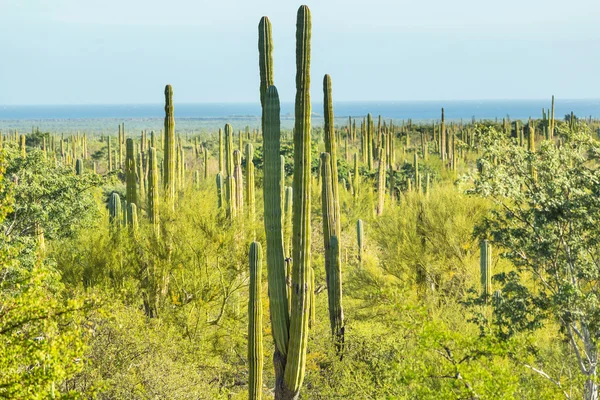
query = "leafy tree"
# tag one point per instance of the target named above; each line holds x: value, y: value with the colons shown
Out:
x: 547, y: 222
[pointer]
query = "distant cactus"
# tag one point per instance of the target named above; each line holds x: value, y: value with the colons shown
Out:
x: 205, y: 164
x: 369, y: 142
x: 22, y: 146
x: 356, y: 176
x: 250, y: 181
x: 255, y: 342
x: 110, y: 161
x: 79, y: 167
x: 169, y: 179
x: 114, y: 209
x: 417, y: 177
x: 220, y: 191
x: 153, y: 190
x: 486, y: 268
x: 130, y: 174
x: 221, y: 153
x: 360, y: 237
x: 381, y: 175
x: 443, y: 137
x: 239, y: 182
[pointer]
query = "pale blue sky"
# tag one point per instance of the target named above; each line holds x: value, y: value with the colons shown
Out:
x: 125, y: 51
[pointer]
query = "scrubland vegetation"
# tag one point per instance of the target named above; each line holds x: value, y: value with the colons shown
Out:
x: 375, y: 259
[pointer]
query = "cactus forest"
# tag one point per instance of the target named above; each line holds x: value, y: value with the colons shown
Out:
x: 340, y: 257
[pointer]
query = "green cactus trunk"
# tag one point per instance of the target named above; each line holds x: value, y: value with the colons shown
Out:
x: 331, y: 148
x: 332, y: 255
x: 132, y: 218
x: 485, y: 261
x: 255, y: 340
x: 110, y: 162
x: 250, y: 181
x: 265, y: 59
x: 369, y: 142
x: 205, y: 163
x: 220, y: 190
x: 153, y: 190
x: 296, y: 355
x: 360, y: 239
x: 239, y: 182
x: 114, y: 210
x: 221, y: 160
x: 381, y: 182
x: 79, y: 167
x: 443, y: 137
x: 130, y: 173
x: 169, y: 149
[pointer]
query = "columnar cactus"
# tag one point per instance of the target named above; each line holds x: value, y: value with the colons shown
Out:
x: 230, y: 187
x: 552, y: 120
x: 239, y: 181
x: 22, y: 146
x: 443, y: 137
x: 417, y: 177
x: 132, y: 218
x: 221, y: 160
x: 278, y: 296
x: 369, y: 142
x: 130, y: 174
x: 153, y: 190
x: 287, y: 233
x: 331, y: 148
x: 79, y: 167
x: 205, y: 164
x: 356, y: 176
x: 220, y: 190
x: 332, y: 255
x: 265, y: 58
x: 360, y: 238
x: 141, y: 176
x: 250, y: 180
x: 485, y: 261
x: 334, y: 287
x: 169, y: 148
x: 110, y: 162
x: 114, y: 209
x: 296, y: 354
x: 381, y: 182
x: 255, y: 342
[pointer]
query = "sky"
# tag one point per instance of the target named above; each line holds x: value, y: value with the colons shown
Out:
x: 126, y: 51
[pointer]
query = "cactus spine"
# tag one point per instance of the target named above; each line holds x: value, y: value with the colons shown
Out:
x: 131, y: 196
x: 169, y: 148
x: 255, y: 342
x: 485, y: 261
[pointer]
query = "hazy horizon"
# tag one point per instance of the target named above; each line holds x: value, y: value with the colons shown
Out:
x: 70, y: 52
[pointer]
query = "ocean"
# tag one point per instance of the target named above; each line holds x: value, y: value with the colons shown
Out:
x: 209, y: 116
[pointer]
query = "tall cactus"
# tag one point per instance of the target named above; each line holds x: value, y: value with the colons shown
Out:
x: 169, y: 148
x: 331, y: 148
x: 131, y: 195
x: 443, y: 137
x: 153, y: 190
x: 273, y: 228
x: 22, y: 146
x: 288, y: 213
x: 296, y: 355
x: 369, y: 141
x: 332, y: 255
x: 485, y: 261
x: 255, y: 342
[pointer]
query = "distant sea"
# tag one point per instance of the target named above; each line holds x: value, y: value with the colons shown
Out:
x: 208, y: 116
